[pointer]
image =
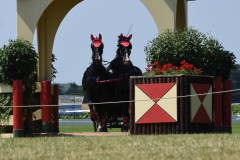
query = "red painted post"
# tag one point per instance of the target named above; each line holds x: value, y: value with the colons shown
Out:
x: 18, y: 124
x: 55, y: 109
x: 218, y: 103
x: 227, y: 115
x: 45, y: 100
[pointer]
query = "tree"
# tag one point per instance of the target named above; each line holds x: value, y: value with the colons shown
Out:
x: 54, y: 70
x: 74, y: 89
x: 235, y: 76
x: 194, y: 47
x: 18, y: 60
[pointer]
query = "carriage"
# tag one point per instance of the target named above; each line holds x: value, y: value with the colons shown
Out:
x: 107, y: 88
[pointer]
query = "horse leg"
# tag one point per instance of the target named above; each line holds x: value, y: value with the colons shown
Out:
x: 98, y: 118
x: 104, y: 118
x: 125, y: 119
x: 102, y: 126
x: 93, y: 117
x: 125, y: 124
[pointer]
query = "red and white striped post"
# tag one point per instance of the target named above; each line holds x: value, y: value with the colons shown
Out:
x: 45, y: 101
x: 55, y: 109
x: 18, y: 121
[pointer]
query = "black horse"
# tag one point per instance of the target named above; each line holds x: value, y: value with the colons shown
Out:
x: 122, y: 68
x: 93, y: 90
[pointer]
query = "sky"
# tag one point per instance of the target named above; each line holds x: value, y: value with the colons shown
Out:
x: 219, y: 18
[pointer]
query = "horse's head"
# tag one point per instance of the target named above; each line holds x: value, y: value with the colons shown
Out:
x: 124, y: 48
x: 97, y: 48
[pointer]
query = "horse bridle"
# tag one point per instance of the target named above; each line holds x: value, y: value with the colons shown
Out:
x: 124, y: 48
x: 124, y: 52
x: 97, y: 48
x: 97, y: 53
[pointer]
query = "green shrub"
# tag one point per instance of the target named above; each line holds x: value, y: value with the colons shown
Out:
x: 18, y: 60
x: 76, y: 116
x: 194, y: 47
x: 235, y: 109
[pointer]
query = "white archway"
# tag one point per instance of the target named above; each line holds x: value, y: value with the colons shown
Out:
x: 47, y: 15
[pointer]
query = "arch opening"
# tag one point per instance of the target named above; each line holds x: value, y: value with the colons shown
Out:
x: 72, y: 41
x: 164, y: 14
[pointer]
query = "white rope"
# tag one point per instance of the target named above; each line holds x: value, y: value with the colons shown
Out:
x: 129, y: 101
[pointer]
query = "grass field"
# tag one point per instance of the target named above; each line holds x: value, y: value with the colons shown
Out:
x: 85, y: 128
x: 186, y: 147
x: 160, y: 147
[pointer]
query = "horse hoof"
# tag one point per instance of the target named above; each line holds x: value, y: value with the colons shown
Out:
x: 102, y: 129
x: 124, y: 129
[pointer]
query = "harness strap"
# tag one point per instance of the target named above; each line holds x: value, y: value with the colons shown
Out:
x: 109, y: 80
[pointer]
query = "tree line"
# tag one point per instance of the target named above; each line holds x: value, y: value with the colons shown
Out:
x: 70, y: 89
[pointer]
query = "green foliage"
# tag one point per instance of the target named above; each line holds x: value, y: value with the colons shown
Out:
x: 18, y: 60
x: 236, y: 109
x: 54, y: 70
x: 74, y: 89
x: 75, y: 116
x: 5, y: 100
x: 193, y: 47
x: 235, y: 76
x: 5, y: 112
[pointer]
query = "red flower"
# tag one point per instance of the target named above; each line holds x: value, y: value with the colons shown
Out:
x: 182, y: 62
x: 197, y: 70
x: 167, y: 66
x: 175, y: 68
x: 184, y: 68
x: 155, y: 64
x: 147, y: 69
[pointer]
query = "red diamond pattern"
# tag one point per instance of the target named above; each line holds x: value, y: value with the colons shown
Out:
x: 155, y: 91
x: 201, y: 115
x: 155, y: 113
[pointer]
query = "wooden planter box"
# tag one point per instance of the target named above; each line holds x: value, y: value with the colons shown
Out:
x: 163, y: 105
